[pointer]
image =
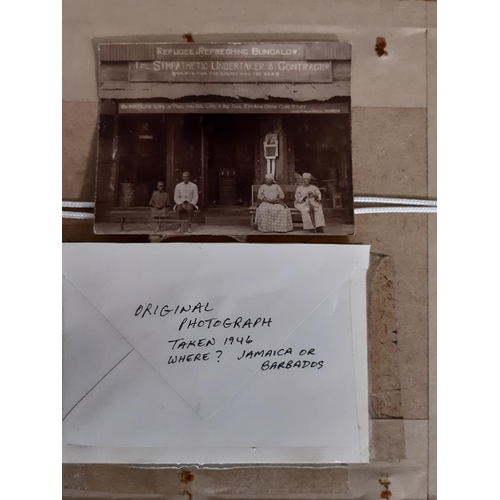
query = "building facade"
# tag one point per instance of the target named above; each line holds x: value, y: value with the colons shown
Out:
x: 228, y: 113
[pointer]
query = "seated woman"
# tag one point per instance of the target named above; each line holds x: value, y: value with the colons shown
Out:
x: 308, y: 202
x: 272, y: 215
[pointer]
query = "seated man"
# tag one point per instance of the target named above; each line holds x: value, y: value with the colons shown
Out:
x: 186, y: 198
x: 159, y: 204
x: 308, y: 202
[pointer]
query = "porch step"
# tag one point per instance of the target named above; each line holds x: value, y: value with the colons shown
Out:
x: 227, y: 211
x: 227, y: 221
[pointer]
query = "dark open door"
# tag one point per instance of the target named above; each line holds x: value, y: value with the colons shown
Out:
x: 142, y: 157
x: 229, y: 158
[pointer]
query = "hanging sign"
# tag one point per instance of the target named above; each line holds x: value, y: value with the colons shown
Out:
x: 320, y: 108
x: 231, y: 71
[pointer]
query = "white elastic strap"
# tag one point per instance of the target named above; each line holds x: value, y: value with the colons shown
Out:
x: 357, y: 211
x: 396, y: 210
x: 77, y: 215
x: 423, y: 206
x: 78, y: 204
x: 394, y: 201
x: 357, y: 199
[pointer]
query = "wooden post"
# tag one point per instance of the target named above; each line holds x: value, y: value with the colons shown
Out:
x: 279, y: 169
x: 169, y: 174
x: 204, y: 165
x: 258, y: 155
x: 108, y: 155
x: 289, y: 144
x: 115, y: 163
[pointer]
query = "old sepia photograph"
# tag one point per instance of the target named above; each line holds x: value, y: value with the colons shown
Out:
x: 224, y: 139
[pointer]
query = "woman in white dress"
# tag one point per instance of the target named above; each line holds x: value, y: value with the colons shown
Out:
x: 272, y: 215
x: 308, y: 202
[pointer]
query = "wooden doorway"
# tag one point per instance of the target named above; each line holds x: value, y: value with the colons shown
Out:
x: 229, y: 151
x: 143, y: 151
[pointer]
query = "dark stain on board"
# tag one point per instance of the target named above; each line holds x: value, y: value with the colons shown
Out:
x: 380, y: 45
x: 386, y: 493
x: 186, y: 477
x: 188, y: 37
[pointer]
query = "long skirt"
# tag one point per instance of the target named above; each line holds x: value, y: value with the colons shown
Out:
x: 273, y: 218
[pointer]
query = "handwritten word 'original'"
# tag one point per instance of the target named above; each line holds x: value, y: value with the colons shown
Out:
x: 165, y: 310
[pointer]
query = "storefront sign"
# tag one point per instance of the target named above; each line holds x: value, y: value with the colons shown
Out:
x: 282, y: 51
x: 259, y: 51
x: 231, y: 71
x: 326, y: 108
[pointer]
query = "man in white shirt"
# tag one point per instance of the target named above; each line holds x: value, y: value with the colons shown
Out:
x: 186, y: 199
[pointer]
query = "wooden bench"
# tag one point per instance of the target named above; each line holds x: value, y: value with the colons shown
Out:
x: 289, y: 192
x: 137, y: 213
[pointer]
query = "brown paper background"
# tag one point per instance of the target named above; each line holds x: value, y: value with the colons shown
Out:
x: 393, y: 128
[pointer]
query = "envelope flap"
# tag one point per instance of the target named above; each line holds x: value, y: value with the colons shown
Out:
x: 283, y: 359
x: 91, y: 346
x: 195, y: 322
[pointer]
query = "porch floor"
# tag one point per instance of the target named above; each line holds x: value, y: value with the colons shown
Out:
x: 170, y: 229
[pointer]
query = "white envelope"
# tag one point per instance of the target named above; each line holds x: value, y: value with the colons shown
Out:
x: 184, y: 380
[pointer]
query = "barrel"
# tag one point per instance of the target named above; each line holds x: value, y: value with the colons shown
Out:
x: 127, y: 194
x: 228, y: 192
x: 134, y: 195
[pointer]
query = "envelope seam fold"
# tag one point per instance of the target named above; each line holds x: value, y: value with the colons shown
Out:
x: 128, y: 342
x: 335, y: 290
x: 101, y: 379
